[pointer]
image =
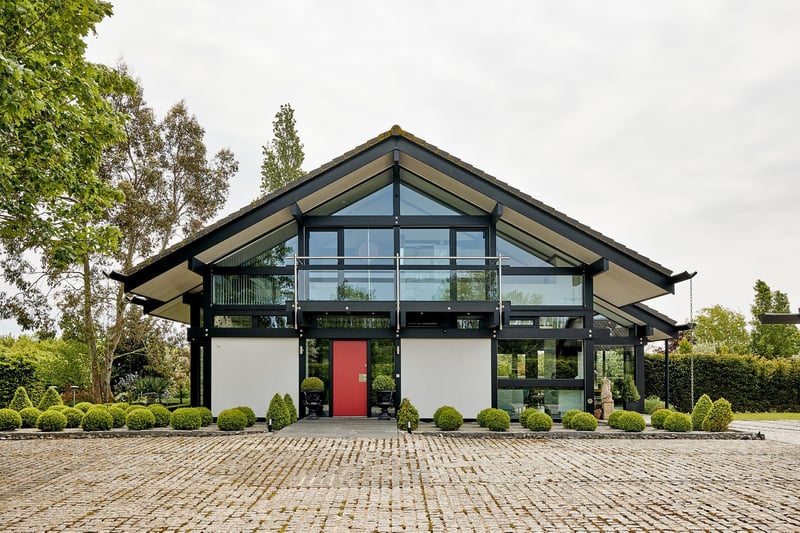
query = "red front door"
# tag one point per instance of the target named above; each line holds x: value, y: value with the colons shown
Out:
x: 349, y: 378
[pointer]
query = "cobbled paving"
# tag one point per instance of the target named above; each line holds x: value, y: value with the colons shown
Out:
x: 406, y: 483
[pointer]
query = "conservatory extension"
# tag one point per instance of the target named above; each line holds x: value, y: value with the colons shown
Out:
x: 399, y: 259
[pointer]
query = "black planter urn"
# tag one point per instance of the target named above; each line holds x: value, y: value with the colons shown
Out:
x: 313, y: 401
x: 384, y: 399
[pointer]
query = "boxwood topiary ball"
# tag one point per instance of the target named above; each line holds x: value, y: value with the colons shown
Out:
x: 438, y: 412
x: 583, y: 422
x: 613, y: 418
x: 118, y: 415
x: 539, y: 421
x: 249, y: 414
x: 566, y: 418
x: 450, y: 419
x: 51, y: 420
x: 29, y: 417
x: 481, y: 418
x: 231, y: 420
x: 83, y: 406
x: 185, y: 418
x: 133, y: 407
x: 97, y: 420
x: 206, y: 417
x: 139, y: 419
x: 74, y: 417
x: 631, y: 421
x: 161, y: 414
x: 498, y: 420
x: 523, y: 416
x: 658, y: 417
x: 10, y: 420
x: 680, y: 422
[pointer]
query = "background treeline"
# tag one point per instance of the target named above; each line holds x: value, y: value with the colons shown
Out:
x: 750, y: 383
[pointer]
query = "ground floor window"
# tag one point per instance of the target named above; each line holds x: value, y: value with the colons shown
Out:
x: 553, y: 401
x: 539, y: 359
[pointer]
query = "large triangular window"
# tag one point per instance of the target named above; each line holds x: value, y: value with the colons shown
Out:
x: 421, y: 197
x: 276, y: 249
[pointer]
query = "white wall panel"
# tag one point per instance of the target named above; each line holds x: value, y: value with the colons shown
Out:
x: 247, y: 371
x: 455, y: 372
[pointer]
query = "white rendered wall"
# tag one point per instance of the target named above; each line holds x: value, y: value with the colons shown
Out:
x: 456, y: 372
x: 247, y: 371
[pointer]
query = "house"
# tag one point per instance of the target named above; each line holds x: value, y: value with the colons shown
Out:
x: 398, y: 258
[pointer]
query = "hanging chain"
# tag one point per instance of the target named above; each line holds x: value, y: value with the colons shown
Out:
x: 691, y: 337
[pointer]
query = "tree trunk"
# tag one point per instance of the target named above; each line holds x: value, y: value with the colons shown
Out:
x: 89, y: 331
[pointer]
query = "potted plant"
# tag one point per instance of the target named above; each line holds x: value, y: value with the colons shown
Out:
x: 630, y: 394
x: 383, y: 386
x: 312, y: 389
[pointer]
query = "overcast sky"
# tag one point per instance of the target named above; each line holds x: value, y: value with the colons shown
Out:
x: 671, y: 127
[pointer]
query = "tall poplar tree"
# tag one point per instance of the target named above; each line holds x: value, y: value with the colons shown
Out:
x: 772, y: 340
x: 283, y: 155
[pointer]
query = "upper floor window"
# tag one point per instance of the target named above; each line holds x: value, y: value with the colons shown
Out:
x: 276, y: 249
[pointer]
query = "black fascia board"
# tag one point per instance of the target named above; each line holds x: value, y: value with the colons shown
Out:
x: 238, y: 224
x: 510, y: 200
x: 650, y: 319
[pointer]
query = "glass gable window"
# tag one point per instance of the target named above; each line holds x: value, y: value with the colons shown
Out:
x: 421, y: 197
x: 379, y: 203
x: 526, y: 251
x: 273, y: 250
x: 370, y: 198
x: 515, y: 256
x: 543, y: 290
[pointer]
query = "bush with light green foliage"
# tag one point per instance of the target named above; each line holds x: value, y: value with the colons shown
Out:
x: 498, y: 420
x: 83, y: 406
x: 312, y: 383
x: 583, y: 422
x: 10, y: 419
x: 60, y: 408
x: 231, y: 420
x: 538, y: 421
x: 206, y: 416
x: 249, y: 414
x: 719, y: 417
x: 289, y: 401
x: 523, y: 416
x: 51, y: 420
x: 133, y: 407
x: 50, y: 398
x: 29, y: 417
x: 438, y: 412
x: 481, y: 418
x: 450, y: 419
x: 679, y: 422
x: 566, y: 418
x: 651, y: 403
x: 20, y: 400
x: 632, y: 421
x: 613, y: 418
x: 658, y: 417
x: 97, y: 420
x: 74, y: 417
x: 117, y: 415
x: 701, y: 409
x: 120, y: 405
x: 161, y: 415
x: 407, y: 414
x: 185, y: 418
x: 278, y: 413
x: 140, y: 419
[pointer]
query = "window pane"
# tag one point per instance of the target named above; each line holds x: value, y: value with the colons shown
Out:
x: 379, y: 203
x: 518, y: 257
x: 423, y: 285
x: 554, y: 402
x: 471, y: 244
x: 416, y: 203
x: 244, y: 289
x: 323, y: 244
x: 425, y: 243
x: 539, y: 359
x: 367, y: 242
x: 543, y: 290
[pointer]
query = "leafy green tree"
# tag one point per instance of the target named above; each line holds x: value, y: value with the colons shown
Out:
x: 772, y: 340
x: 283, y: 155
x: 721, y: 329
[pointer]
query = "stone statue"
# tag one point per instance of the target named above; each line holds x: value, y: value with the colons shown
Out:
x: 607, y: 398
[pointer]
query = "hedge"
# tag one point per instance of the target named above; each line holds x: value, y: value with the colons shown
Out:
x: 750, y: 383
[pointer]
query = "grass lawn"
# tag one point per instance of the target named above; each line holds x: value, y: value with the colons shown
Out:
x: 766, y: 416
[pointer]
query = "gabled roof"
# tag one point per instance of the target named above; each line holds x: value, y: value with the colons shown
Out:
x: 164, y: 279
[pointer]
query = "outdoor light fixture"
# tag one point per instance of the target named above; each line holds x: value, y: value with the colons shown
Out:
x: 74, y: 388
x: 779, y: 318
x: 269, y: 425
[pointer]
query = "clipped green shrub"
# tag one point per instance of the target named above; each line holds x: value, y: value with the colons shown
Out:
x: 29, y: 416
x: 97, y: 420
x: 139, y: 419
x: 51, y: 420
x: 651, y: 403
x: 719, y: 417
x: 50, y: 398
x: 20, y: 400
x: 161, y: 414
x: 278, y: 413
x: 312, y: 383
x: 133, y: 408
x: 613, y: 418
x: 438, y: 412
x: 658, y: 417
x: 407, y: 413
x: 289, y: 401
x: 680, y: 422
x: 481, y: 418
x: 498, y: 420
x: 60, y: 408
x: 74, y: 417
x: 383, y: 382
x: 523, y: 416
x: 250, y: 415
x: 206, y: 416
x: 185, y: 418
x: 583, y: 422
x: 120, y: 405
x: 10, y: 419
x: 450, y: 419
x: 538, y: 421
x: 632, y: 421
x: 566, y: 418
x: 117, y: 415
x: 83, y: 406
x: 231, y: 420
x: 701, y: 409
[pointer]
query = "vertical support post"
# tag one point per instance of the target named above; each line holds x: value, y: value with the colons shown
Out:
x: 666, y: 373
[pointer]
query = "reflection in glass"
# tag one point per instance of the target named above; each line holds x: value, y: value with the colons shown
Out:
x: 554, y: 402
x: 318, y: 360
x: 539, y: 359
x: 543, y: 290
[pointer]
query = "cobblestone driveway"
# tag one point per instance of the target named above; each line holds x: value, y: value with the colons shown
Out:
x: 406, y: 483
